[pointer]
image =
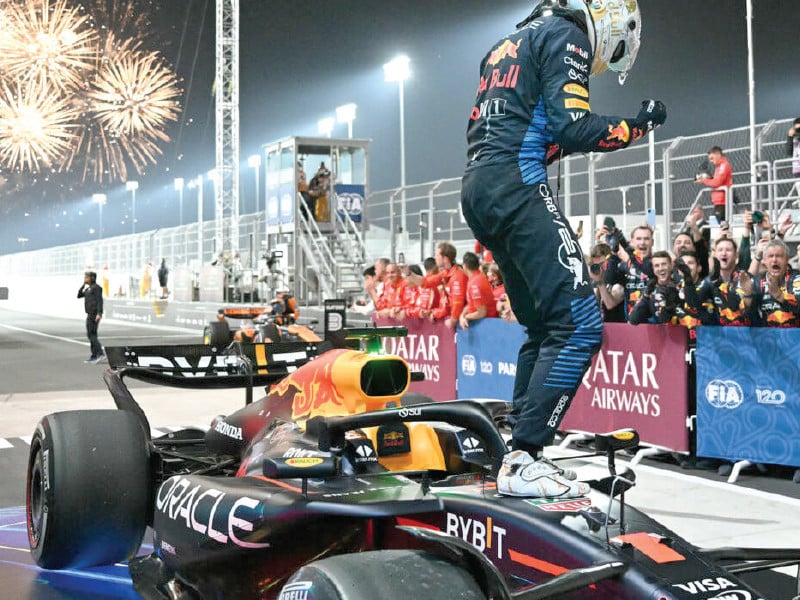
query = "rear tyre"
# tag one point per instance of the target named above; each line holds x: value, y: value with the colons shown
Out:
x: 384, y: 574
x: 88, y: 491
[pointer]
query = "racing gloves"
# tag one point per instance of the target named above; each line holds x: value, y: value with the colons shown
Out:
x: 652, y: 114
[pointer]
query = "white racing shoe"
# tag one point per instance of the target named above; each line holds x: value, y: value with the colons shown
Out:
x: 522, y: 475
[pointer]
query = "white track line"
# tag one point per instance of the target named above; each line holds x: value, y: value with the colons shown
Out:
x: 47, y: 335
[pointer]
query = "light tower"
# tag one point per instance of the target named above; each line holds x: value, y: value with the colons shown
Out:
x: 226, y: 188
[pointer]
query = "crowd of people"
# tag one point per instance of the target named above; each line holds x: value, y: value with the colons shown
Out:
x: 700, y: 282
x: 441, y: 289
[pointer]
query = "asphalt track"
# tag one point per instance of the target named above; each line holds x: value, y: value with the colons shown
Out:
x: 42, y: 371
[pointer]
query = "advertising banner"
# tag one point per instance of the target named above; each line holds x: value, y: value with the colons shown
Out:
x: 429, y: 348
x: 487, y: 358
x: 748, y: 394
x: 639, y: 380
x: 350, y: 200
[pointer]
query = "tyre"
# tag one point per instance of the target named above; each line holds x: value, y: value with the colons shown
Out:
x: 219, y: 334
x: 384, y: 574
x: 88, y: 491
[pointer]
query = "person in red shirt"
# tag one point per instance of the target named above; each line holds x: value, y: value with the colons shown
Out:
x: 454, y: 280
x: 722, y: 179
x: 484, y: 254
x: 391, y: 299
x: 495, y: 280
x: 408, y: 299
x: 480, y: 301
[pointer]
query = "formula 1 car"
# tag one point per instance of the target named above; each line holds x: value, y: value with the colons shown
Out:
x: 269, y: 324
x: 331, y: 487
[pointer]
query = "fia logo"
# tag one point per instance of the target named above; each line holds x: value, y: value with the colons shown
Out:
x: 468, y: 365
x: 724, y: 394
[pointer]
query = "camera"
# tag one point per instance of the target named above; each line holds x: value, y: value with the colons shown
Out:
x: 705, y: 170
x: 758, y: 216
x: 612, y: 239
x: 595, y: 268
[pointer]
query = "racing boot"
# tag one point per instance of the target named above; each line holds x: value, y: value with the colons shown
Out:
x: 522, y: 475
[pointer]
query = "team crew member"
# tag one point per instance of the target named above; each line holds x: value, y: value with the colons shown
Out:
x: 635, y: 266
x: 723, y: 287
x: 659, y: 302
x: 480, y: 300
x: 533, y: 103
x: 774, y: 295
x: 451, y: 280
x: 92, y: 295
x: 391, y: 299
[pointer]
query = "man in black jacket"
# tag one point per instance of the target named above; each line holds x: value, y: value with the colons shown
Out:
x: 92, y: 295
x: 532, y: 105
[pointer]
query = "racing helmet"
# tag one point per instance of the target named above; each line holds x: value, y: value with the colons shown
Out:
x: 613, y: 28
x: 617, y: 26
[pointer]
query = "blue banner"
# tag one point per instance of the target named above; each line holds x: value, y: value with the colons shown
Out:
x: 350, y: 200
x: 487, y: 359
x: 748, y: 394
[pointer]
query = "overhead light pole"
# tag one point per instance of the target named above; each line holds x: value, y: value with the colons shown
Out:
x: 398, y: 70
x: 254, y: 162
x: 132, y: 186
x: 346, y: 113
x: 179, y: 188
x: 198, y: 183
x: 325, y: 126
x: 100, y: 199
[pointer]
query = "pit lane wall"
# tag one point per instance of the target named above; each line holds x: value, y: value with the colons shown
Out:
x: 747, y: 386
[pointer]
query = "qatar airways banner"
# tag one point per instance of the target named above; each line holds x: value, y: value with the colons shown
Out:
x: 639, y: 380
x: 748, y: 394
x: 429, y: 348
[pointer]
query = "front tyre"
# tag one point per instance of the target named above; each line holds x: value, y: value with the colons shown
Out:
x: 88, y: 488
x: 384, y: 574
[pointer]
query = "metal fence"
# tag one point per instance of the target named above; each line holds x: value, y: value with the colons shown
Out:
x: 660, y: 175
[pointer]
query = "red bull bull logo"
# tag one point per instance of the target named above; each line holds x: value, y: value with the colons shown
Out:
x: 505, y: 50
x: 619, y: 133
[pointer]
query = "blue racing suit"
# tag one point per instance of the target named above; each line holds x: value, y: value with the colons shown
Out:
x: 533, y: 103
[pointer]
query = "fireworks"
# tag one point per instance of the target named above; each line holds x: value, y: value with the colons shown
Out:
x: 51, y: 43
x: 35, y: 126
x: 76, y: 95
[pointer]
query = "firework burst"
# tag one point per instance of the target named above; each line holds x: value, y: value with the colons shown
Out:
x: 48, y: 41
x: 36, y: 126
x: 104, y: 101
x: 132, y: 97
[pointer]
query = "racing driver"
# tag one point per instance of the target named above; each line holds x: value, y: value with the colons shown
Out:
x: 533, y: 105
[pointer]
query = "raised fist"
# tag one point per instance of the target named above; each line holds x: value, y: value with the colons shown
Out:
x: 652, y: 114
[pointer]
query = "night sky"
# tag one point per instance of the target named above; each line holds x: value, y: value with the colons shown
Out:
x: 301, y: 59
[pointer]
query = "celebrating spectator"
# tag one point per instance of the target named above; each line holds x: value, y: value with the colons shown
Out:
x: 774, y: 295
x: 635, y: 265
x: 659, y: 301
x: 480, y: 301
x: 723, y: 286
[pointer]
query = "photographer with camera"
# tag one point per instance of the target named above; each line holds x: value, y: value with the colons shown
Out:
x: 609, y: 285
x: 793, y: 146
x: 721, y: 181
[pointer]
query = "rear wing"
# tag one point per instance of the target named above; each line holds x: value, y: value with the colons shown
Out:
x: 203, y: 366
